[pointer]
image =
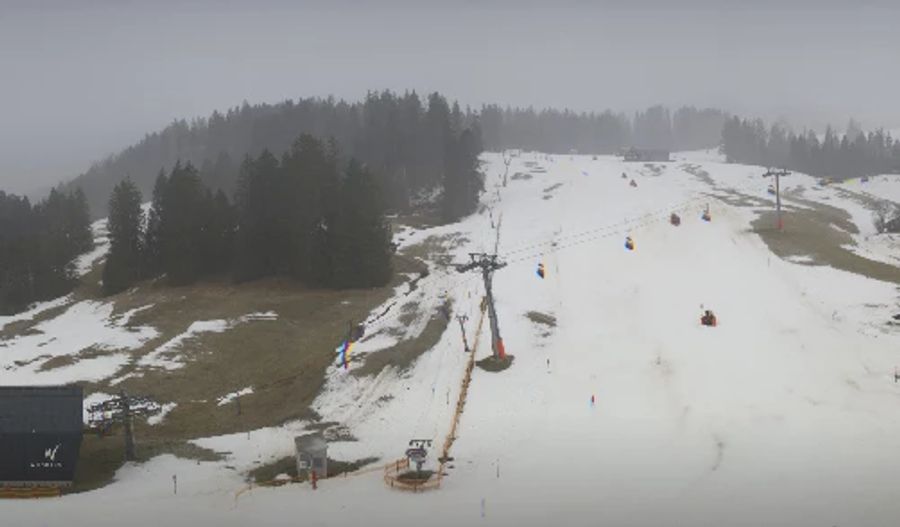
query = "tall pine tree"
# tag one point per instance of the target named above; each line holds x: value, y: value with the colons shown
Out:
x: 361, y: 236
x: 123, y: 263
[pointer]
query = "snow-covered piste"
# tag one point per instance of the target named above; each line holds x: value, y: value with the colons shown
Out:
x: 620, y: 408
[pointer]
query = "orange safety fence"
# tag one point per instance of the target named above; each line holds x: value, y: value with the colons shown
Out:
x: 463, y: 393
x: 392, y: 478
x: 392, y: 471
x: 29, y: 492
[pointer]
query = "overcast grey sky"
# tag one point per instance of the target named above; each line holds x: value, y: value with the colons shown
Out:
x: 82, y: 79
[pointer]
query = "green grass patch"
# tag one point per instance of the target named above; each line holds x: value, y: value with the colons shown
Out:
x: 809, y: 234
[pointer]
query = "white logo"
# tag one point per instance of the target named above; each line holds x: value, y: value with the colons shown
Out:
x: 50, y: 453
x: 49, y: 458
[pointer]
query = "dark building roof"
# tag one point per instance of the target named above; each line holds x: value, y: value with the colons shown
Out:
x: 311, y: 443
x: 40, y: 409
x: 40, y: 435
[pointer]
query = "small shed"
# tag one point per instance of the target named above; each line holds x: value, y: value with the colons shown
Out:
x: 312, y: 454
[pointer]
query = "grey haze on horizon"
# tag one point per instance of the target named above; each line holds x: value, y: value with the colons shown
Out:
x: 80, y: 80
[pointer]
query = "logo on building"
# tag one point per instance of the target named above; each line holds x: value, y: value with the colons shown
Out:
x: 50, y: 453
x: 49, y: 458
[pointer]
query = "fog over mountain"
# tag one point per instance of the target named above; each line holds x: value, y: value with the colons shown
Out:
x: 81, y: 80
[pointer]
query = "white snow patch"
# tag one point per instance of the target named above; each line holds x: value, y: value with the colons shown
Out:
x: 263, y: 315
x: 158, y: 418
x: 34, y: 310
x: 800, y: 259
x: 92, y: 399
x: 122, y: 378
x: 225, y: 399
x: 86, y: 262
x: 168, y: 356
x: 164, y: 356
x: 83, y: 325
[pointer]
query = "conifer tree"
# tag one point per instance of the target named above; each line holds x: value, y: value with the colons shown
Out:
x: 123, y: 263
x: 184, y: 214
x: 361, y: 238
x: 153, y: 231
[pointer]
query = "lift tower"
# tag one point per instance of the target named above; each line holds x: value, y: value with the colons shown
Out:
x: 488, y: 263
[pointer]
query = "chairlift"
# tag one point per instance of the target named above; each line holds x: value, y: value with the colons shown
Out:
x: 709, y: 319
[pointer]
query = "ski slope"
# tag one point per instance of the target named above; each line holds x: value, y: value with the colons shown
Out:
x: 787, y: 413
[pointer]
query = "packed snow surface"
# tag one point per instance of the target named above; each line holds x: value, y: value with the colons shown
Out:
x: 623, y: 411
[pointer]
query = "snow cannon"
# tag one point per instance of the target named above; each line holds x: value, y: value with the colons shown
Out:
x: 675, y: 219
x: 633, y: 183
x: 629, y: 243
x: 709, y: 319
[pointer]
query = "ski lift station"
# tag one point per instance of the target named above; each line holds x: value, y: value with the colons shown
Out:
x: 312, y: 454
x: 40, y: 435
x: 645, y: 155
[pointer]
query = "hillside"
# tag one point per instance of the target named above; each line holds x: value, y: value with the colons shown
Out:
x: 402, y: 138
x: 619, y: 406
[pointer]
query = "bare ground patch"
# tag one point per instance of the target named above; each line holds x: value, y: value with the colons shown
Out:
x: 435, y: 248
x: 283, y: 360
x: 541, y: 318
x: 495, y: 365
x: 403, y: 354
x: 288, y: 465
x: 548, y: 192
x: 21, y: 328
x: 814, y: 232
